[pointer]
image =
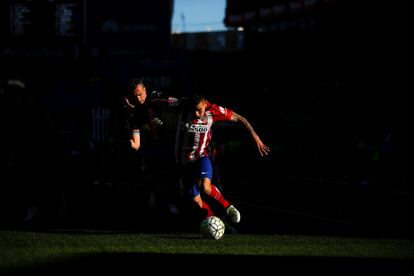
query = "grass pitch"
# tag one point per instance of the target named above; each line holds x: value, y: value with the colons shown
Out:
x: 62, y: 251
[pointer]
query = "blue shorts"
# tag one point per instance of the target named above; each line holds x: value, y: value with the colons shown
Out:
x: 202, y: 169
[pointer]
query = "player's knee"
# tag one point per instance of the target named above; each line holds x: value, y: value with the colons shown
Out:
x: 207, y: 187
x: 208, y: 191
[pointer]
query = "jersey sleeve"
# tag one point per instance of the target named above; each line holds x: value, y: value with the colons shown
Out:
x: 220, y: 113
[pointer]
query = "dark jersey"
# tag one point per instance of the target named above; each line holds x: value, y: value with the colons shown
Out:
x: 139, y: 117
x: 155, y: 119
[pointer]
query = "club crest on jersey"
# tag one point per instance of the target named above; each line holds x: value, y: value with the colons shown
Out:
x: 197, y: 128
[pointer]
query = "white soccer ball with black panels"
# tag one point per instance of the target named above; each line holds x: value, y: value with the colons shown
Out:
x: 212, y: 227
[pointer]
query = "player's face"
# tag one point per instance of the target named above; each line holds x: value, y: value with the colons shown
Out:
x: 140, y: 93
x: 200, y: 109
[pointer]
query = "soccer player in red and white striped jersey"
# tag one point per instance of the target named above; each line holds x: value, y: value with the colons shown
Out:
x: 205, y: 114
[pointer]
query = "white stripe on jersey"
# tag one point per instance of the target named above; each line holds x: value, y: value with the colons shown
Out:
x: 203, y: 136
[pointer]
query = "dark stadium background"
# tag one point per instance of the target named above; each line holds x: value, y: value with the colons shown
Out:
x: 323, y: 82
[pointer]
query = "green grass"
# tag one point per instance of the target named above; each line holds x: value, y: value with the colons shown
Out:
x: 25, y: 249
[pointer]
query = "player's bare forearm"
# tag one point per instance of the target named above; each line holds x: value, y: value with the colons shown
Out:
x: 263, y: 149
x: 240, y: 119
x: 135, y: 140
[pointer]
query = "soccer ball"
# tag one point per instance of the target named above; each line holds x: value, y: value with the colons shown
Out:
x: 212, y: 227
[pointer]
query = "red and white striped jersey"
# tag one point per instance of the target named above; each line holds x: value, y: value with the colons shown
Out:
x: 199, y: 130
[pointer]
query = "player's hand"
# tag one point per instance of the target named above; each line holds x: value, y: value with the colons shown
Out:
x: 263, y: 149
x: 172, y: 101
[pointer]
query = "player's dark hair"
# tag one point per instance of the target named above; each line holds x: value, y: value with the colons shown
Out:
x: 133, y: 83
x: 196, y: 99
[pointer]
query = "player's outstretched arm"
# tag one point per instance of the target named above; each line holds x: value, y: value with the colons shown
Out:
x: 158, y: 96
x: 263, y: 149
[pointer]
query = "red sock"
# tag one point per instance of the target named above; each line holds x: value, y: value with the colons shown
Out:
x: 215, y: 193
x: 206, y: 207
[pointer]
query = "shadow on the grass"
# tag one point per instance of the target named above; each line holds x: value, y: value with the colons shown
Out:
x: 140, y: 263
